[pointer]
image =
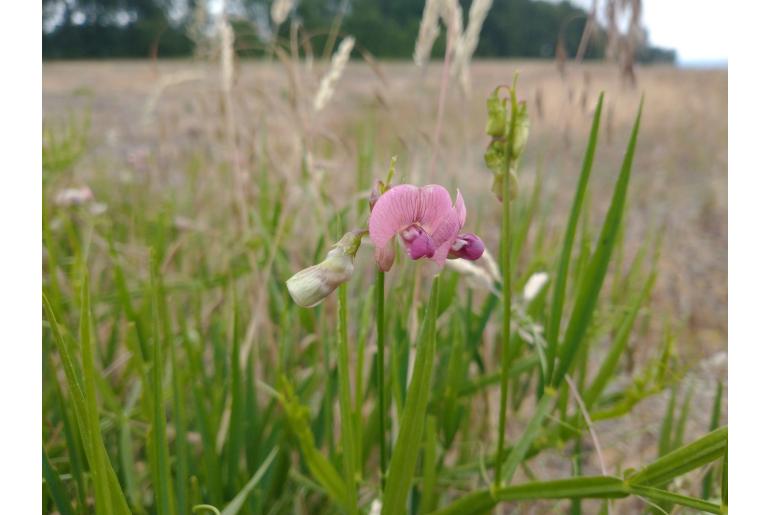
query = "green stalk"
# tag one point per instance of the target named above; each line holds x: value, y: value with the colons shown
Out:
x: 505, y: 262
x: 380, y: 295
x: 346, y: 413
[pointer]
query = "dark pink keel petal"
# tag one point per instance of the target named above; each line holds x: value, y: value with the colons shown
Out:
x: 418, y: 243
x: 467, y: 246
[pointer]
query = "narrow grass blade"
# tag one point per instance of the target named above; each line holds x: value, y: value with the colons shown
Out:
x: 666, y: 427
x: 591, y: 282
x: 320, y: 467
x: 704, y: 450
x: 429, y: 468
x: 163, y: 487
x: 724, y: 481
x: 519, y: 452
x: 234, y: 506
x: 587, y: 487
x: 562, y: 273
x: 235, y: 430
x: 664, y: 496
x: 716, y: 414
x: 409, y: 440
x: 619, y: 345
x: 56, y: 488
x: 108, y: 494
x: 346, y: 412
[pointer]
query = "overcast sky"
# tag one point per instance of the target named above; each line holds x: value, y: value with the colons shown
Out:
x: 692, y: 27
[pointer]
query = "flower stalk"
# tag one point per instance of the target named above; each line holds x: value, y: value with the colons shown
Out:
x: 505, y: 260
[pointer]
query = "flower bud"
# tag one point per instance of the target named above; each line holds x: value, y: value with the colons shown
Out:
x: 310, y: 286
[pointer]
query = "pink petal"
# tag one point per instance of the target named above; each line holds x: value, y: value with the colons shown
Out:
x: 384, y: 256
x: 467, y: 246
x: 393, y: 211
x: 418, y: 243
x: 434, y: 207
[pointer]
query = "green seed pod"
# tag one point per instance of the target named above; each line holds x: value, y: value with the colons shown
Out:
x: 520, y: 131
x: 495, y: 116
x: 494, y: 157
x: 497, y: 185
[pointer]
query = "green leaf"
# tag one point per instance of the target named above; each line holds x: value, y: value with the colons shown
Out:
x: 107, y: 492
x: 704, y: 450
x: 591, y: 282
x: 519, y: 452
x: 346, y: 411
x: 163, y: 486
x: 716, y: 413
x: 320, y: 467
x: 56, y: 488
x: 560, y: 285
x: 618, y: 346
x: 409, y: 440
x: 234, y: 506
x: 429, y: 468
x: 664, y: 496
x: 593, y: 487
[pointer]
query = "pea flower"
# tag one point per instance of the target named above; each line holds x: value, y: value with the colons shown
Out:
x: 427, y: 223
x: 310, y: 286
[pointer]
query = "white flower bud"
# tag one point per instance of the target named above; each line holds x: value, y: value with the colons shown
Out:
x: 534, y: 284
x: 310, y: 286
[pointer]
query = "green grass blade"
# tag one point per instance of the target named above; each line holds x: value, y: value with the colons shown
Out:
x: 716, y: 414
x: 519, y: 452
x: 587, y: 487
x: 320, y: 467
x: 346, y: 411
x: 234, y: 506
x: 666, y: 427
x: 429, y: 468
x: 235, y: 430
x: 592, y: 280
x: 107, y: 492
x: 618, y: 346
x: 704, y: 450
x: 562, y: 273
x: 163, y: 487
x: 724, y: 480
x: 666, y: 497
x: 409, y: 440
x: 56, y: 488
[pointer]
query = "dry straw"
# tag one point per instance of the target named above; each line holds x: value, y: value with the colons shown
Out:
x: 429, y: 30
x: 467, y: 43
x: 339, y: 61
x: 280, y: 10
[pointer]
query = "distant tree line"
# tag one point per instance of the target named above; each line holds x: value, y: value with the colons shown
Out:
x: 386, y: 28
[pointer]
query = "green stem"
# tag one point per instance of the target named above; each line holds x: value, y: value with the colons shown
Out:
x: 380, y: 294
x: 505, y: 262
x: 346, y: 412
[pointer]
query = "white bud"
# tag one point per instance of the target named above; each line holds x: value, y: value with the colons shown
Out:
x: 534, y: 284
x: 310, y: 286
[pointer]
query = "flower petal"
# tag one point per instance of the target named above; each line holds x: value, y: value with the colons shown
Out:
x: 434, y: 207
x: 395, y: 209
x: 418, y: 243
x: 467, y: 246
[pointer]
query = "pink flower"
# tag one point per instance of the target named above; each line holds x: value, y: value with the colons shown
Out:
x: 427, y: 222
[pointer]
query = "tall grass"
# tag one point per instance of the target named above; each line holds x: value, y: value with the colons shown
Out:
x: 180, y: 376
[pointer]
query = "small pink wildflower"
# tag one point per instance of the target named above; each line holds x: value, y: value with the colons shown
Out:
x: 427, y: 222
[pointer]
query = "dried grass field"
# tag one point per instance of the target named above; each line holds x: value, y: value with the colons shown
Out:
x: 238, y: 190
